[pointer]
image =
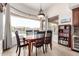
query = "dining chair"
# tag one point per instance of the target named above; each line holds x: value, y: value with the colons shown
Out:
x: 29, y: 32
x: 39, y: 42
x: 35, y: 31
x: 48, y: 39
x: 20, y: 43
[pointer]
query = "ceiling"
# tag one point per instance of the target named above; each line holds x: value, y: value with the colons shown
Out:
x: 33, y: 8
x: 44, y: 6
x: 29, y: 9
x: 36, y: 6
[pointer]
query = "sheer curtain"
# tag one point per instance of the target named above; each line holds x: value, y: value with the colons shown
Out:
x: 7, y: 36
x: 1, y: 32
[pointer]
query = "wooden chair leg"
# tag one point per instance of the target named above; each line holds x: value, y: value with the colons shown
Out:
x: 19, y: 51
x: 43, y: 49
x: 32, y: 47
x: 24, y: 50
x: 46, y: 48
x: 36, y: 51
x: 51, y: 46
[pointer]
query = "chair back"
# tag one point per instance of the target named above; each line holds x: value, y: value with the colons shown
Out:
x: 17, y: 38
x: 40, y: 38
x: 48, y: 37
x: 41, y: 34
x: 29, y: 32
x: 49, y: 33
x: 35, y: 32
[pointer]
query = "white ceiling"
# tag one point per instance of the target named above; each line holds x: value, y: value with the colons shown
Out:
x: 36, y: 6
x: 33, y: 8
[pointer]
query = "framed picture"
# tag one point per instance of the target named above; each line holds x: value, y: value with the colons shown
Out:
x: 65, y: 19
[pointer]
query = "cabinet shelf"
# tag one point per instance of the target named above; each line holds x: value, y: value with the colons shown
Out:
x: 64, y: 35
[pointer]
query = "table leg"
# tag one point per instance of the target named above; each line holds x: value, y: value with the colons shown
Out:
x: 51, y: 46
x: 29, y: 47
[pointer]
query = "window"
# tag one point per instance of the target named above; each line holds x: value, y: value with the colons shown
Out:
x: 17, y: 21
x: 22, y: 24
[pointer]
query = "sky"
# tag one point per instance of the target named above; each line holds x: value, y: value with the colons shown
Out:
x: 16, y: 21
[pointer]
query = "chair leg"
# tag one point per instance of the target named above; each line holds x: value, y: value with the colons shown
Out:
x: 24, y: 51
x: 46, y: 48
x: 32, y: 47
x: 50, y: 46
x: 19, y: 51
x: 36, y: 51
x: 43, y: 49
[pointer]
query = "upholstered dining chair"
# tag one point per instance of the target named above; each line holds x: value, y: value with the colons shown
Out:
x: 48, y: 39
x: 40, y: 40
x: 19, y: 41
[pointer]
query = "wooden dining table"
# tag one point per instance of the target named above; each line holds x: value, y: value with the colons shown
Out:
x: 30, y: 39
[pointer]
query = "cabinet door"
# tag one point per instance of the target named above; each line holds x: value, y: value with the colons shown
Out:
x: 76, y: 17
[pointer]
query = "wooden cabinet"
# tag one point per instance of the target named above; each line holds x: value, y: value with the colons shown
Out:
x: 75, y: 16
x: 64, y: 35
x: 75, y: 36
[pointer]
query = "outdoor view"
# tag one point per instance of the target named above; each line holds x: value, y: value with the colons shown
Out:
x: 21, y: 25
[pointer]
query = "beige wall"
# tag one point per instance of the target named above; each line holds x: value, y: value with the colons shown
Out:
x: 62, y: 10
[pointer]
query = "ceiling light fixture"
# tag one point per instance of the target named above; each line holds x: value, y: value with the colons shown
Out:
x: 41, y: 14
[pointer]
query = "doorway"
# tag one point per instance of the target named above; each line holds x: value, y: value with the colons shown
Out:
x: 53, y: 25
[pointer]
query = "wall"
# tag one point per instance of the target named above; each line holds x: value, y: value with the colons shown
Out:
x: 1, y: 31
x: 61, y: 9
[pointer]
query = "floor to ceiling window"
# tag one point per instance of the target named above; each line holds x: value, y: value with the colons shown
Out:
x: 23, y: 24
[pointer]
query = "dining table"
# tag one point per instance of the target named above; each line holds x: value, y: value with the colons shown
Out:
x: 30, y: 39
